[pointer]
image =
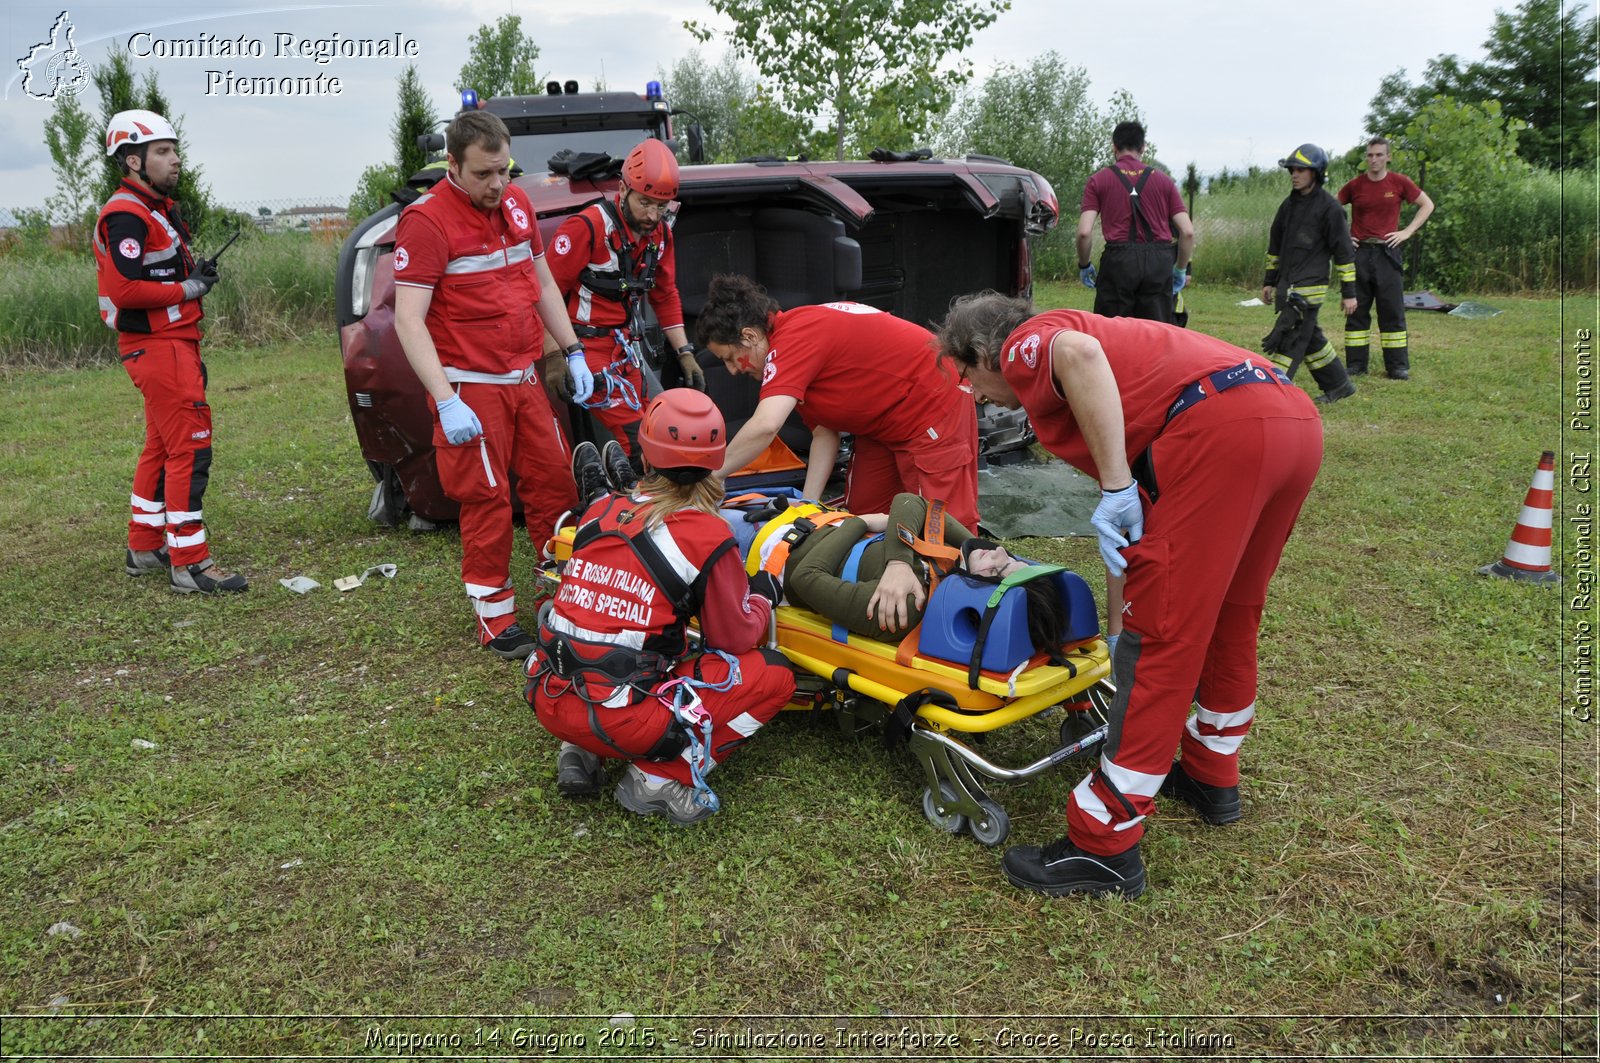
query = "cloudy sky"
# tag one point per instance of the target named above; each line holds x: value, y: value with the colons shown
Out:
x: 1222, y: 83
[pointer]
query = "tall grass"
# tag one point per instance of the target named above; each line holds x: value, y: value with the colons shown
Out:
x: 273, y: 288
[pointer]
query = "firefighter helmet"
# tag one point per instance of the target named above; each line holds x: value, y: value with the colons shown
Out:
x: 651, y: 170
x: 137, y: 128
x: 683, y: 435
x: 1307, y: 157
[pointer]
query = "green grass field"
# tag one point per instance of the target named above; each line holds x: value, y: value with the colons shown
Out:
x: 348, y: 810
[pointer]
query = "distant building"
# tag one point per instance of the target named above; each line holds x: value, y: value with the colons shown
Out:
x: 328, y: 220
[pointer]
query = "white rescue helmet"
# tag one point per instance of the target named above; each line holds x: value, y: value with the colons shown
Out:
x: 137, y: 128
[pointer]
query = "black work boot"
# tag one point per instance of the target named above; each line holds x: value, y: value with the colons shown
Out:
x: 1334, y: 382
x: 1216, y: 804
x: 588, y: 473
x: 1355, y: 360
x: 1398, y: 368
x: 513, y: 644
x: 205, y: 578
x: 619, y: 470
x: 1061, y: 868
x: 141, y: 561
x: 577, y: 772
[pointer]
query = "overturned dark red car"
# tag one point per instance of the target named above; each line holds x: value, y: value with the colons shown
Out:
x: 905, y: 236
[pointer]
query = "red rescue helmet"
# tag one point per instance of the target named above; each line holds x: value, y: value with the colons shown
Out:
x: 651, y: 170
x: 683, y: 435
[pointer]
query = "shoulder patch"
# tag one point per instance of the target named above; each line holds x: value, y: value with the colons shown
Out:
x: 402, y: 259
x: 562, y: 245
x: 129, y: 248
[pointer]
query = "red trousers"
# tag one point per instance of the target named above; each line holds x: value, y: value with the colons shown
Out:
x: 175, y: 464
x: 1232, y: 473
x: 942, y: 466
x: 765, y: 687
x: 520, y: 437
x: 621, y: 420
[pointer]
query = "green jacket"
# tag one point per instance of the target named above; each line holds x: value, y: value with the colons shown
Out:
x: 811, y: 576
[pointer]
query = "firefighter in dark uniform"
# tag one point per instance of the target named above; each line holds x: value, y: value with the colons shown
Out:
x: 1308, y: 229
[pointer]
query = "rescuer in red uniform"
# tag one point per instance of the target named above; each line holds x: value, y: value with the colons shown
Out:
x: 612, y: 643
x: 608, y: 260
x: 851, y: 368
x: 150, y: 290
x: 1225, y: 451
x: 473, y: 298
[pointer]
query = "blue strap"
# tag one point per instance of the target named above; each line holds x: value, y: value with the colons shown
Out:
x: 852, y: 566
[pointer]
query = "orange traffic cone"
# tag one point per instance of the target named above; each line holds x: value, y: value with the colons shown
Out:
x: 1527, y: 556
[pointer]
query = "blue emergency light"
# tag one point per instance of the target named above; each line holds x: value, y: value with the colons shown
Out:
x: 652, y: 90
x: 469, y: 99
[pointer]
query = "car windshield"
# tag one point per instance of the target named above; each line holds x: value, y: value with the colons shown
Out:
x: 533, y: 151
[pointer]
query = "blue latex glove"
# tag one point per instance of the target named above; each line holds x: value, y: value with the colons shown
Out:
x: 582, y: 378
x: 1180, y: 277
x: 460, y: 424
x: 1087, y: 275
x: 1118, y: 510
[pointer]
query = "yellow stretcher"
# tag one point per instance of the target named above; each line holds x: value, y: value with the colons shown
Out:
x: 930, y: 701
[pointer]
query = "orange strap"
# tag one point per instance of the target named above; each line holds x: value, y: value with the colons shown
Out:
x: 941, y: 559
x: 780, y: 552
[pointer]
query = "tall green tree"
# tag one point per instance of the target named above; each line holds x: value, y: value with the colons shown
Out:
x: 500, y: 60
x: 72, y: 140
x: 1039, y: 116
x: 831, y: 62
x: 1467, y: 155
x: 1539, y: 65
x: 414, y: 117
x: 739, y: 116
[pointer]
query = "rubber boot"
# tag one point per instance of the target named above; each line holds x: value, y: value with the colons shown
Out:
x: 1356, y: 358
x: 1334, y: 382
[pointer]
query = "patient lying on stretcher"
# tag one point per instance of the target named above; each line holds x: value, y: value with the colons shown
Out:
x: 870, y: 572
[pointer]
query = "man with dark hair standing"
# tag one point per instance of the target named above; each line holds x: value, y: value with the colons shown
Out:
x: 473, y: 297
x: 150, y: 290
x: 1374, y: 198
x: 1138, y: 207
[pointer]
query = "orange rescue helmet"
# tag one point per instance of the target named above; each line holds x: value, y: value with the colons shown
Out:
x: 651, y: 170
x: 683, y: 435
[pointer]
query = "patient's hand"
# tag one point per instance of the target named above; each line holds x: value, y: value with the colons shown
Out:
x: 875, y: 522
x: 888, y: 603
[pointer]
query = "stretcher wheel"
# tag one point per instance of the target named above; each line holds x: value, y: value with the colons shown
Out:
x: 950, y: 822
x: 992, y: 827
x: 1077, y: 724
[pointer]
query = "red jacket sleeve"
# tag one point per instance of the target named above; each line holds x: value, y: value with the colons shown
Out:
x: 123, y: 235
x: 733, y: 619
x: 570, y: 250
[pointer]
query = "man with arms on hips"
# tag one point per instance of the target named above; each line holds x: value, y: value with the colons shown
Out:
x: 608, y: 260
x: 1138, y: 207
x: 150, y: 290
x: 1374, y: 198
x: 473, y: 298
